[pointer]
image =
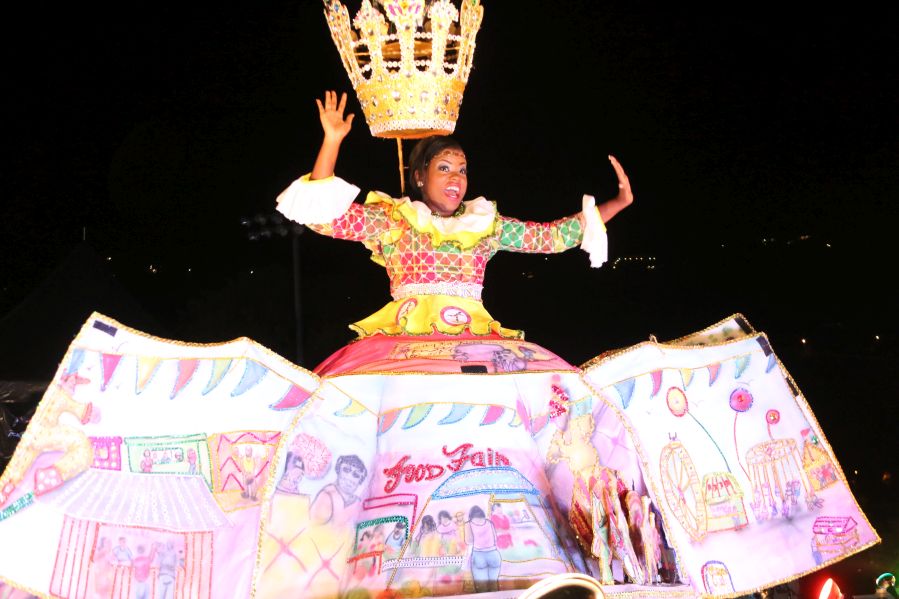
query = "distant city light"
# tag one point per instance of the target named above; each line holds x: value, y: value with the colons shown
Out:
x: 803, y: 340
x: 635, y: 259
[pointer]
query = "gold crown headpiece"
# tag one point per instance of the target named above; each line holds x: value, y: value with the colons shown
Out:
x: 409, y: 74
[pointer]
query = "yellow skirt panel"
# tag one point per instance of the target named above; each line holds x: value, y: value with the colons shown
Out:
x: 430, y: 314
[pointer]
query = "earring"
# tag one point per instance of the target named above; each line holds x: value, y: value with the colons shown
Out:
x: 420, y: 184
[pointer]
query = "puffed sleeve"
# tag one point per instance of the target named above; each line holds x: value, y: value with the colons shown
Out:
x: 316, y: 202
x: 326, y: 206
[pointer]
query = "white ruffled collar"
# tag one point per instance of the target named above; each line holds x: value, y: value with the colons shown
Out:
x: 478, y: 216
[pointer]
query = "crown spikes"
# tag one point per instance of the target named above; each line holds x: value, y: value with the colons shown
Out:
x: 409, y: 74
x: 443, y: 14
x: 339, y: 23
x: 371, y: 25
x: 470, y: 23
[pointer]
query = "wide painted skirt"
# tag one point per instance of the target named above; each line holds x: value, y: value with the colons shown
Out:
x: 418, y: 466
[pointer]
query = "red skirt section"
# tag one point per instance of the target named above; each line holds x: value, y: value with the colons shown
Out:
x: 441, y: 353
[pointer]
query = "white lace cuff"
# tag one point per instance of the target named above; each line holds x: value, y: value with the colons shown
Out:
x: 595, y: 242
x: 316, y: 202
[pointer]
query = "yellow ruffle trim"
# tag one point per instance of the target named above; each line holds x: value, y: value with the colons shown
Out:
x: 429, y: 314
x: 465, y: 231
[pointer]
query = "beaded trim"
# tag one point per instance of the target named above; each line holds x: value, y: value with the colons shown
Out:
x: 455, y: 289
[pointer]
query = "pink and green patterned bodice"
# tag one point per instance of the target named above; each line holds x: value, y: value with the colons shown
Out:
x: 419, y: 259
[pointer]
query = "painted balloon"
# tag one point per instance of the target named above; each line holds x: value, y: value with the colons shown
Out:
x: 677, y: 401
x: 740, y: 400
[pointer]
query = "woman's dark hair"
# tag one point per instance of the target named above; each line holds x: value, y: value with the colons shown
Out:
x: 476, y: 512
x: 354, y: 462
x: 421, y: 156
x: 427, y: 525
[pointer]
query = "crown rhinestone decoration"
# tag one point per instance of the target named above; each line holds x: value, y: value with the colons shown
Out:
x: 409, y: 73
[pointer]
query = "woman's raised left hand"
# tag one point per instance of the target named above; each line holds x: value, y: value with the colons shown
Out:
x: 625, y: 195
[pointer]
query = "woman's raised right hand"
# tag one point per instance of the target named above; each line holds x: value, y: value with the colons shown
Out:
x: 330, y: 113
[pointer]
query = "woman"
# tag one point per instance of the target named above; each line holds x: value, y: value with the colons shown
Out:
x: 427, y: 541
x: 449, y: 533
x: 436, y: 249
x: 485, y: 557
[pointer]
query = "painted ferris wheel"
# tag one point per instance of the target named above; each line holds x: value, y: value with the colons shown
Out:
x: 682, y: 489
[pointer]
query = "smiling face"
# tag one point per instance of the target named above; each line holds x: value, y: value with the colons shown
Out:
x: 444, y: 181
x: 348, y: 478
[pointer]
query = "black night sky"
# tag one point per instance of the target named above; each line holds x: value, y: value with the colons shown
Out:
x: 762, y: 146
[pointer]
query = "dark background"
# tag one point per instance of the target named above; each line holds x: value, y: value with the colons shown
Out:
x: 761, y: 142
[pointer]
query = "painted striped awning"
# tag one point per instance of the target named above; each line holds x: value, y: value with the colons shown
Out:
x: 170, y: 502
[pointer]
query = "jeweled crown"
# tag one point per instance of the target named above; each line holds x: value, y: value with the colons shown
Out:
x: 409, y: 73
